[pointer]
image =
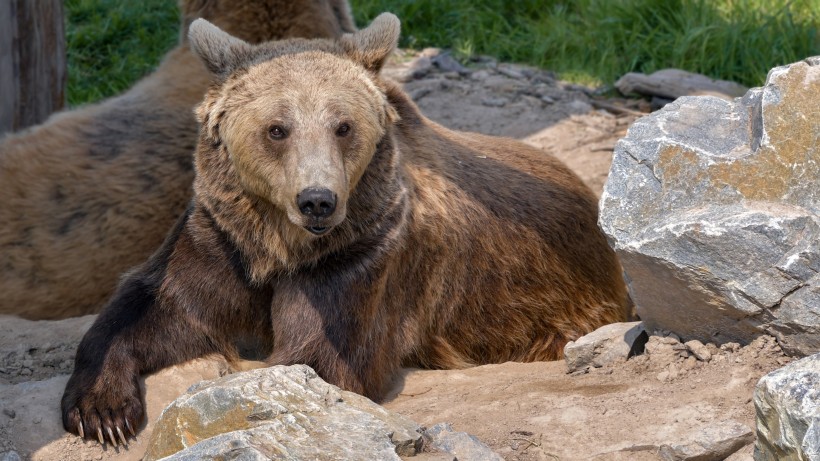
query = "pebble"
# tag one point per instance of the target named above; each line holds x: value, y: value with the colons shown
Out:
x: 512, y: 73
x: 10, y: 456
x: 731, y: 347
x: 548, y: 99
x: 494, y: 102
x: 9, y: 412
x: 699, y: 350
x: 447, y: 63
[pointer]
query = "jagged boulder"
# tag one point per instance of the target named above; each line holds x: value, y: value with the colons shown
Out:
x: 714, y: 209
x: 787, y: 404
x: 279, y: 413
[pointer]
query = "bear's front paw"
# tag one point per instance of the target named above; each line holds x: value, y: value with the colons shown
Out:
x: 102, y: 408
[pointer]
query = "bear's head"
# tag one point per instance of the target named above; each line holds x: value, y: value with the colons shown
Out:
x: 298, y: 120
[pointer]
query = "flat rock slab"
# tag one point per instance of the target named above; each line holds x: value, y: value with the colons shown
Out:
x: 787, y: 403
x: 279, y: 413
x: 713, y: 207
x: 674, y: 83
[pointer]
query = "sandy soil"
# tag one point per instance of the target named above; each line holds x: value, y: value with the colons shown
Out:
x: 626, y: 411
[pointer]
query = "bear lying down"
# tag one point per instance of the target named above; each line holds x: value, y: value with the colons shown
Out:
x: 333, y: 225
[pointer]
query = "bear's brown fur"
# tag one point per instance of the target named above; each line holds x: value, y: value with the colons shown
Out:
x: 93, y: 191
x: 333, y: 225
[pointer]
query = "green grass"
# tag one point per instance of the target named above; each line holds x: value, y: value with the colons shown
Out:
x: 113, y: 42
x: 597, y: 41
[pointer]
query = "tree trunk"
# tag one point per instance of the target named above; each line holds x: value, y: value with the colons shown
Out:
x: 32, y: 62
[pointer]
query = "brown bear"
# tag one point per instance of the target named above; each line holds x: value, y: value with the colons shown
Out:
x: 93, y: 191
x: 334, y: 225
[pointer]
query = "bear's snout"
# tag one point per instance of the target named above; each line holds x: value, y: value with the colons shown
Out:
x: 318, y: 204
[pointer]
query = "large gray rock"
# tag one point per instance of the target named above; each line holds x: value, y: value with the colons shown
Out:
x: 279, y: 413
x: 713, y: 205
x: 787, y: 403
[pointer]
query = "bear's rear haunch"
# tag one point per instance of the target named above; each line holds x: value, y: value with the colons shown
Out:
x: 335, y: 226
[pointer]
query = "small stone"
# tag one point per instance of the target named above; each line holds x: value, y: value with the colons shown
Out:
x: 510, y: 72
x: 9, y: 412
x: 38, y: 419
x: 420, y: 67
x: 548, y: 99
x: 663, y: 376
x: 690, y: 363
x: 10, y: 456
x: 699, y: 350
x: 447, y: 63
x: 580, y: 107
x: 606, y: 345
x: 494, y: 102
x: 730, y: 347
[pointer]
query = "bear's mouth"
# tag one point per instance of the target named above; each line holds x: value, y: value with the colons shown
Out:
x: 317, y: 230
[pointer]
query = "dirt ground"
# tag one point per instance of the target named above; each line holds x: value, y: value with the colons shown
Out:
x: 536, y: 411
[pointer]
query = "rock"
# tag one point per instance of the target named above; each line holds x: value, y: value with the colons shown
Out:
x: 579, y: 107
x: 713, y: 443
x: 606, y: 345
x: 446, y: 63
x: 10, y: 456
x: 787, y: 404
x: 674, y: 83
x: 712, y: 207
x: 510, y: 72
x: 461, y: 445
x: 661, y: 350
x: 279, y: 412
x: 494, y: 102
x: 699, y: 350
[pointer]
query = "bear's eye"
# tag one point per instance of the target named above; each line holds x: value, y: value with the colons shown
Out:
x: 277, y: 132
x: 343, y: 130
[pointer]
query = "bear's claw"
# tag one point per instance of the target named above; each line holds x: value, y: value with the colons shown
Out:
x: 121, y: 436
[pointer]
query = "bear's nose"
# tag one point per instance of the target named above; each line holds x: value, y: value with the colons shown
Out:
x: 316, y: 202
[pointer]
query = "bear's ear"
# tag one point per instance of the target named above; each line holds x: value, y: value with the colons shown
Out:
x: 221, y: 52
x: 372, y: 45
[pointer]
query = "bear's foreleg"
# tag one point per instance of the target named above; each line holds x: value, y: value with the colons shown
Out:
x: 187, y: 301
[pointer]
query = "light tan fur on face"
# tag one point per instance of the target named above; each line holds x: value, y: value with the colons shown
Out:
x: 93, y: 191
x: 302, y: 94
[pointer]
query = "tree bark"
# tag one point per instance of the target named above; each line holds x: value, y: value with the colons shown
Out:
x: 32, y: 62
